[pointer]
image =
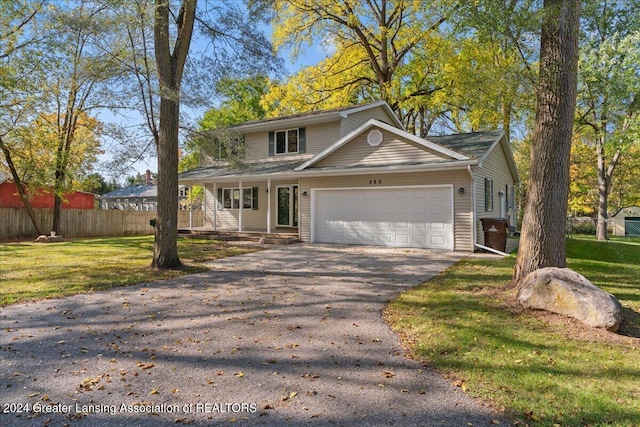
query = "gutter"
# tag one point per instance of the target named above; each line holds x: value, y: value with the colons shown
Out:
x: 487, y: 248
x: 309, y: 173
x: 473, y: 212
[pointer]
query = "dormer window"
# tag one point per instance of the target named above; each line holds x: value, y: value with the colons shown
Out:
x: 288, y: 141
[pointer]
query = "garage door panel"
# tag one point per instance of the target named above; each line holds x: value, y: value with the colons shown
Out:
x: 402, y: 217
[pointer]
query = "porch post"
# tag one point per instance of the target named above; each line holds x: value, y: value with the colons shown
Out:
x: 215, y: 205
x: 190, y: 211
x: 269, y: 205
x: 241, y: 202
x: 204, y: 204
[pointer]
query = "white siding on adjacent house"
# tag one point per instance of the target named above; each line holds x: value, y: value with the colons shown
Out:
x: 621, y: 226
x: 354, y: 120
x: 461, y: 202
x: 392, y: 150
x: 494, y: 167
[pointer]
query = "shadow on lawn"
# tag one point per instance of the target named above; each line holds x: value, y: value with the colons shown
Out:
x: 630, y: 325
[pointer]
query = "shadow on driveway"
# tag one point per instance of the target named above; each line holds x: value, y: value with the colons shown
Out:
x: 288, y: 336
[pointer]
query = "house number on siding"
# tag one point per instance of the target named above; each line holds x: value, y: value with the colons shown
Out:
x: 375, y: 181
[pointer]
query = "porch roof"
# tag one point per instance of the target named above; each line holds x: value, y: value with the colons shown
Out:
x: 247, y: 170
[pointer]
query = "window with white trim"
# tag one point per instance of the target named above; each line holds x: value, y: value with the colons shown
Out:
x: 488, y: 194
x: 230, y: 198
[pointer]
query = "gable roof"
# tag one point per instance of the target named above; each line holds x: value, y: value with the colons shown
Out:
x: 625, y: 207
x: 474, y: 145
x: 133, y: 191
x: 478, y: 145
x: 313, y: 117
x: 377, y: 123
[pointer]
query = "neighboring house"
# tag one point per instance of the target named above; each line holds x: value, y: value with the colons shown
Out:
x: 355, y: 176
x: 9, y: 198
x: 626, y: 221
x: 136, y: 198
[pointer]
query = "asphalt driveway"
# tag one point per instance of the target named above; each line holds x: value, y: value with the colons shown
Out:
x: 287, y: 336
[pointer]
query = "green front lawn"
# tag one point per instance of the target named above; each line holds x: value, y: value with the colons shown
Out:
x: 539, y: 368
x: 35, y: 270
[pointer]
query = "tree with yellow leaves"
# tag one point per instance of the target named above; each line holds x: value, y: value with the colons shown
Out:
x: 375, y: 44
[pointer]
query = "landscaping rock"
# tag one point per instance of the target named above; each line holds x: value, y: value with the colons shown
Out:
x: 563, y: 291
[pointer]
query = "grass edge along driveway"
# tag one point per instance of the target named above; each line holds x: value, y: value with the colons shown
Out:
x: 32, y: 271
x: 539, y: 368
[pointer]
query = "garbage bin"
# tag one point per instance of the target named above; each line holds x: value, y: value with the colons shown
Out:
x: 495, y: 233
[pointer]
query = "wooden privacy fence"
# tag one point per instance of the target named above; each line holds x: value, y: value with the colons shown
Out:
x: 15, y: 223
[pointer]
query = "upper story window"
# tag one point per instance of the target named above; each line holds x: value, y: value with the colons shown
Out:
x: 227, y: 146
x: 289, y: 141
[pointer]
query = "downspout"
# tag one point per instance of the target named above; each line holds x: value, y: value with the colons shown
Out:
x: 473, y: 212
x: 487, y: 248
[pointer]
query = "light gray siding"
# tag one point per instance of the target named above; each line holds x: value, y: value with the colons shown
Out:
x: 462, y: 202
x: 392, y: 150
x: 354, y: 120
x: 318, y: 137
x: 252, y: 220
x: 494, y: 167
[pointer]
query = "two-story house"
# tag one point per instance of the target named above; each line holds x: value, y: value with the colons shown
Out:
x: 354, y: 175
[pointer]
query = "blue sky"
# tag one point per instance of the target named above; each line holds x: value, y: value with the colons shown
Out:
x: 308, y: 56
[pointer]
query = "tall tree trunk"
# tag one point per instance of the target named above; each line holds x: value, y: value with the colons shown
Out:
x: 57, y: 208
x: 57, y: 198
x: 170, y: 67
x: 603, y: 192
x: 543, y: 228
x: 605, y: 174
x: 21, y: 190
x: 166, y: 238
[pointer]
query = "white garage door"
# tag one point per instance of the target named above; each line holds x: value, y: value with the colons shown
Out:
x: 416, y: 217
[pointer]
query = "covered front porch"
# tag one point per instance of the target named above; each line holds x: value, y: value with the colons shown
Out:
x: 249, y: 206
x: 249, y: 198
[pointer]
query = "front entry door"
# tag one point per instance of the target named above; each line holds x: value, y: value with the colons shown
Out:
x: 287, y: 206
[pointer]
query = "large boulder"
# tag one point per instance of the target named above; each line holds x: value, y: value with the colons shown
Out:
x: 563, y: 291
